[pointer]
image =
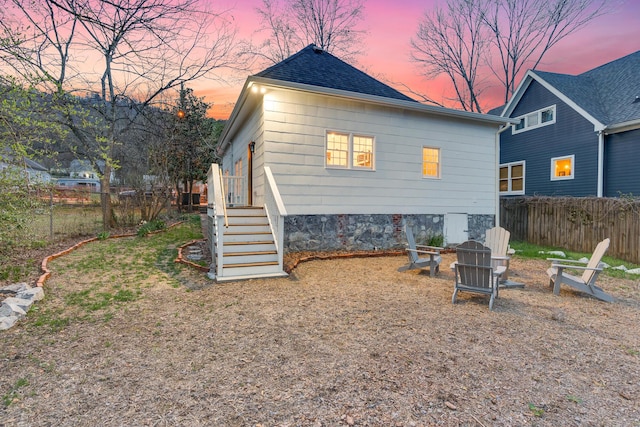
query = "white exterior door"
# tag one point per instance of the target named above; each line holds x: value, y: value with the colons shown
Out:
x: 456, y: 228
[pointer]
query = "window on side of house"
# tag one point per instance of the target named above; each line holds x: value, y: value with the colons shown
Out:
x: 543, y: 117
x: 562, y: 168
x: 430, y: 162
x: 345, y: 150
x: 512, y: 178
x: 362, y: 152
x: 337, y: 150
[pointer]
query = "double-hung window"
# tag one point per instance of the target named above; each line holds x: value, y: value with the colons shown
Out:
x: 512, y: 178
x: 535, y: 119
x: 430, y: 162
x: 349, y: 151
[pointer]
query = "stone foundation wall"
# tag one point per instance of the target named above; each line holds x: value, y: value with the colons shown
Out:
x: 364, y: 232
x: 479, y: 224
x: 368, y: 232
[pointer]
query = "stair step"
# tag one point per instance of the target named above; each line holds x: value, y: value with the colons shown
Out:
x: 253, y: 264
x: 249, y: 259
x: 235, y: 247
x: 256, y: 242
x: 247, y: 237
x: 232, y: 254
x: 253, y: 270
x: 246, y: 211
x: 248, y: 228
x: 248, y: 219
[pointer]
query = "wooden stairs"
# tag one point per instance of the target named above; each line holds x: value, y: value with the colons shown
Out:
x: 248, y: 246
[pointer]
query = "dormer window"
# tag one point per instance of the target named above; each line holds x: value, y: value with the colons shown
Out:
x: 535, y: 119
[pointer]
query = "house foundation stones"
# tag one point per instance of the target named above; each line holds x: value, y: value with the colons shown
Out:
x: 356, y: 232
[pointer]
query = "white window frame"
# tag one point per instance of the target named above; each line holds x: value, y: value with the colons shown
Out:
x: 351, y: 162
x: 439, y: 163
x: 510, y: 178
x: 553, y: 176
x: 528, y: 118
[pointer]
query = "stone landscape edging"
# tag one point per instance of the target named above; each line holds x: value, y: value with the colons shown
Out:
x: 180, y: 258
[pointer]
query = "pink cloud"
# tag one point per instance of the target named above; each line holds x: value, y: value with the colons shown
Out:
x: 391, y: 25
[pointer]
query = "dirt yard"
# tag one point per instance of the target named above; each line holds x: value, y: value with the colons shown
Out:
x: 340, y: 342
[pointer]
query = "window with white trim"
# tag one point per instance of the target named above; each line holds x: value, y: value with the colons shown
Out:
x: 430, y: 162
x: 349, y: 151
x: 543, y: 117
x: 562, y: 168
x: 512, y: 178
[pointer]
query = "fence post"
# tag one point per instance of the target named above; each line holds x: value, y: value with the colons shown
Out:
x: 51, y: 214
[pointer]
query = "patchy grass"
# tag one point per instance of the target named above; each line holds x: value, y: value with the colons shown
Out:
x: 109, y: 274
x: 527, y: 250
x: 12, y: 395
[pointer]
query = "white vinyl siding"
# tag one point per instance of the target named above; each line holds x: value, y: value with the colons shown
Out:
x: 295, y: 132
x: 252, y: 130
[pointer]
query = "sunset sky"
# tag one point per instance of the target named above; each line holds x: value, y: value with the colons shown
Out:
x: 391, y: 25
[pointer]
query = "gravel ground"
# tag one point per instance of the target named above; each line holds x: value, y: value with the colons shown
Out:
x: 340, y: 342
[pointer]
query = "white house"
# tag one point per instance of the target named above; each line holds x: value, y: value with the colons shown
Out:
x: 339, y: 160
x: 34, y: 172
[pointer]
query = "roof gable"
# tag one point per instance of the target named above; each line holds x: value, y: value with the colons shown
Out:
x: 607, y: 95
x: 316, y: 67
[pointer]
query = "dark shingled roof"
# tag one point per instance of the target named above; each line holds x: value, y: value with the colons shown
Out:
x: 607, y: 92
x: 313, y: 66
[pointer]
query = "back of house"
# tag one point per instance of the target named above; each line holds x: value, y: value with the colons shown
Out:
x: 351, y: 158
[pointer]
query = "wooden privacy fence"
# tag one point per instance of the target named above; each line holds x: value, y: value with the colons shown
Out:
x: 575, y: 223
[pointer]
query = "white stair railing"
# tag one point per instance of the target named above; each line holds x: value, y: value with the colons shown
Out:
x: 216, y: 210
x: 235, y: 190
x: 276, y: 212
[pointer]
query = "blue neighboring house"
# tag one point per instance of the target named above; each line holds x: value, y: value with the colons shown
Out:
x: 577, y: 135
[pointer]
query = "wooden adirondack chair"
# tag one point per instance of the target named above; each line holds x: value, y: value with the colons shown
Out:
x: 497, y: 239
x: 585, y: 283
x: 421, y: 256
x: 474, y: 271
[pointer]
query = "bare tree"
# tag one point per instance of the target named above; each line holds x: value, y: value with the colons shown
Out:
x: 290, y: 25
x: 282, y: 40
x: 135, y: 50
x: 37, y: 39
x: 525, y: 30
x: 453, y: 42
x: 519, y: 33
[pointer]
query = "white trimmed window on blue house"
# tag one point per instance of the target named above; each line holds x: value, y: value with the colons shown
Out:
x: 349, y: 151
x: 535, y: 119
x: 563, y: 168
x: 512, y: 178
x: 430, y: 162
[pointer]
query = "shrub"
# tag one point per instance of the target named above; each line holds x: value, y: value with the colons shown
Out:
x: 148, y: 227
